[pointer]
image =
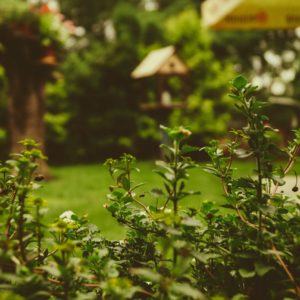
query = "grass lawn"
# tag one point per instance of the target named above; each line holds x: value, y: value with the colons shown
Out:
x: 83, y: 189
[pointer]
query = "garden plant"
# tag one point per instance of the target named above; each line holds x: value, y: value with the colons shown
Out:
x: 248, y: 249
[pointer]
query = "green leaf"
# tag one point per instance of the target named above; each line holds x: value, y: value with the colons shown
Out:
x: 229, y: 206
x: 188, y: 149
x: 247, y: 273
x: 278, y: 180
x: 113, y: 208
x: 218, y: 297
x: 126, y: 183
x: 52, y: 270
x: 115, y: 195
x: 164, y: 165
x: 186, y: 290
x: 182, y: 186
x: 239, y: 297
x: 204, y: 257
x: 137, y: 186
x: 191, y: 222
x: 168, y: 189
x: 127, y: 199
x: 40, y: 295
x: 147, y: 274
x: 262, y: 269
x: 210, y: 170
x: 176, y: 133
x: 239, y: 82
x: 168, y: 148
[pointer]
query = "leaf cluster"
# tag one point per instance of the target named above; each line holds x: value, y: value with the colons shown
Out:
x: 246, y: 250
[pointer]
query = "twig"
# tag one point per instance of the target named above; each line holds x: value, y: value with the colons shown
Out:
x: 288, y: 166
x: 8, y: 222
x: 224, y: 186
x: 166, y: 203
x: 287, y: 271
x: 139, y: 203
x: 244, y: 219
x: 237, y: 208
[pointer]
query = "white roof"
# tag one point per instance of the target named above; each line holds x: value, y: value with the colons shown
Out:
x: 153, y: 62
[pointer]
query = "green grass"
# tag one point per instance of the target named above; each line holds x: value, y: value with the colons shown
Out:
x: 83, y: 189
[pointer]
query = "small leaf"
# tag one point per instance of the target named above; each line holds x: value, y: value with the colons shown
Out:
x: 163, y: 164
x: 188, y: 149
x: 247, y: 273
x: 147, y: 274
x: 229, y: 206
x: 137, y: 186
x: 52, y: 270
x: 182, y: 186
x: 204, y: 257
x: 168, y: 148
x: 239, y: 297
x: 186, y: 290
x: 126, y: 183
x: 190, y: 222
x: 239, y: 82
x: 168, y: 189
x: 210, y: 170
x: 262, y: 269
x: 278, y: 180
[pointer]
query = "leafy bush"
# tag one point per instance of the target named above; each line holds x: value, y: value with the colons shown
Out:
x: 247, y: 251
x: 98, y: 93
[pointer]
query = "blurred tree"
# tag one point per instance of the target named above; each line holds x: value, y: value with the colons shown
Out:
x: 31, y: 39
x: 208, y: 111
x: 98, y: 101
x: 3, y: 116
x: 271, y: 59
x: 101, y: 96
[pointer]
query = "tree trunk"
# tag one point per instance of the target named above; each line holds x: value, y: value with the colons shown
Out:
x: 26, y: 112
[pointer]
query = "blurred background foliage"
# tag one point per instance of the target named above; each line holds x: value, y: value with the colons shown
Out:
x: 93, y: 105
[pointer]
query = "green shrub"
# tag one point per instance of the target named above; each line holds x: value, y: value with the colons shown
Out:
x: 247, y: 251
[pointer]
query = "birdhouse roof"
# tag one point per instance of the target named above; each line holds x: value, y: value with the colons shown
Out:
x: 160, y: 61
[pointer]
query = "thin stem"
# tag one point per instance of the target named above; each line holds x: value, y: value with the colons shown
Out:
x: 21, y: 226
x: 8, y: 222
x: 244, y: 219
x: 224, y: 186
x: 39, y: 243
x: 175, y: 208
x: 139, y: 203
x: 176, y: 146
x: 259, y: 192
x: 166, y: 203
x: 174, y: 192
x: 287, y: 271
x: 289, y: 165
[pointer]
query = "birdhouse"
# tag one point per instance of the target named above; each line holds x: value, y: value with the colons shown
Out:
x: 163, y: 64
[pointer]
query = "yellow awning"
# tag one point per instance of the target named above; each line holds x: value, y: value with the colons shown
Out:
x: 251, y: 14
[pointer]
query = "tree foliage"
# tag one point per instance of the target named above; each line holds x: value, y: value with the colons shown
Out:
x: 100, y: 93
